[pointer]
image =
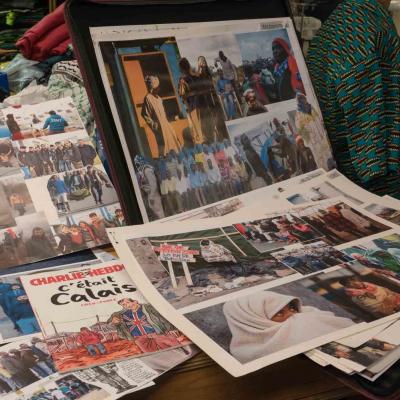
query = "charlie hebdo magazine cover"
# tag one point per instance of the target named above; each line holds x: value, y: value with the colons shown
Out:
x: 95, y: 315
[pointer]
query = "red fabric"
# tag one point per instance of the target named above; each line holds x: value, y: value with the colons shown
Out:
x: 46, y: 46
x: 89, y: 337
x: 47, y: 38
x: 152, y: 342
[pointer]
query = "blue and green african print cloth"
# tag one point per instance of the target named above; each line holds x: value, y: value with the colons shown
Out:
x: 354, y: 63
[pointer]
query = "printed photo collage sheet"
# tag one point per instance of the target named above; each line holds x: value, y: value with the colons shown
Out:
x: 216, y: 110
x: 247, y: 291
x: 55, y: 196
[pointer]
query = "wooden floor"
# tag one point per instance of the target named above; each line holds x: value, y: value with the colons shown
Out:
x: 202, y: 379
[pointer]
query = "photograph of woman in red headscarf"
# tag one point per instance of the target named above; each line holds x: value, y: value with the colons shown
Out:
x: 275, y: 76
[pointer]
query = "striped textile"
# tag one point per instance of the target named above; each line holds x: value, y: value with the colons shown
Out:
x: 354, y: 63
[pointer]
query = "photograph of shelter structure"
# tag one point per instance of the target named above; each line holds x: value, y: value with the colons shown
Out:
x: 193, y: 267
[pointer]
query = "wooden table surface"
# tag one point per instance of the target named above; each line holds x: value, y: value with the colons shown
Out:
x: 202, y: 379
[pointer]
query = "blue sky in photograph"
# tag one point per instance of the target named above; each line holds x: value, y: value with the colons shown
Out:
x: 259, y: 44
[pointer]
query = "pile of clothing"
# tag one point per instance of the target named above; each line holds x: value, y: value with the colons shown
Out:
x: 45, y: 69
x: 47, y: 38
x: 40, y: 48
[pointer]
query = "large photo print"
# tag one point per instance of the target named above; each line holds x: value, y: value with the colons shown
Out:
x: 206, y: 117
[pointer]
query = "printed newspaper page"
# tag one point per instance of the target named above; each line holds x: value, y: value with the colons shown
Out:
x: 244, y: 290
x: 95, y: 315
x: 213, y: 110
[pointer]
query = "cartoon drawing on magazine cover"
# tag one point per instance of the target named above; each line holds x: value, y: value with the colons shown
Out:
x: 94, y: 316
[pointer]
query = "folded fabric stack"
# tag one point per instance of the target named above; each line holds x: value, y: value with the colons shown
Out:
x: 47, y: 38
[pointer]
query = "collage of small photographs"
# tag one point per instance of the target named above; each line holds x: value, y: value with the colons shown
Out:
x: 215, y: 115
x: 330, y: 262
x: 55, y: 196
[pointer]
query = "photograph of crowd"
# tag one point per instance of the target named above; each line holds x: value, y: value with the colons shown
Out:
x: 381, y: 255
x: 339, y: 222
x: 218, y: 59
x: 211, y: 263
x: 365, y: 355
x: 47, y: 118
x: 67, y: 387
x: 46, y: 155
x: 272, y: 147
x: 265, y: 322
x: 313, y: 257
x: 323, y: 191
x: 16, y: 314
x: 24, y: 363
x: 87, y: 229
x: 8, y: 161
x: 359, y: 290
x: 30, y: 240
x: 385, y: 212
x: 15, y: 200
x: 272, y: 233
x: 182, y: 93
x: 78, y: 190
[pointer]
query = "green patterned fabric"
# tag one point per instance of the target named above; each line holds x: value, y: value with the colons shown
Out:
x: 354, y: 63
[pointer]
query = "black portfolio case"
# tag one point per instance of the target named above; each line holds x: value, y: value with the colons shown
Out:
x: 83, y: 14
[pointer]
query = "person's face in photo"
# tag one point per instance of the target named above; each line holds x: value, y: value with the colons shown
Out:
x: 222, y: 56
x: 119, y: 213
x: 65, y: 229
x: 38, y: 232
x: 279, y: 53
x: 80, y: 142
x: 251, y: 98
x: 355, y: 284
x: 94, y: 218
x: 202, y: 62
x: 286, y: 312
x: 342, y: 353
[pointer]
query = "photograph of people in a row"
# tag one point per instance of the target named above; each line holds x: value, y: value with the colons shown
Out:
x: 48, y: 155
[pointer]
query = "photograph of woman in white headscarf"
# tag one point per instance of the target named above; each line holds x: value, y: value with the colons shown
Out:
x: 266, y: 322
x: 263, y: 323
